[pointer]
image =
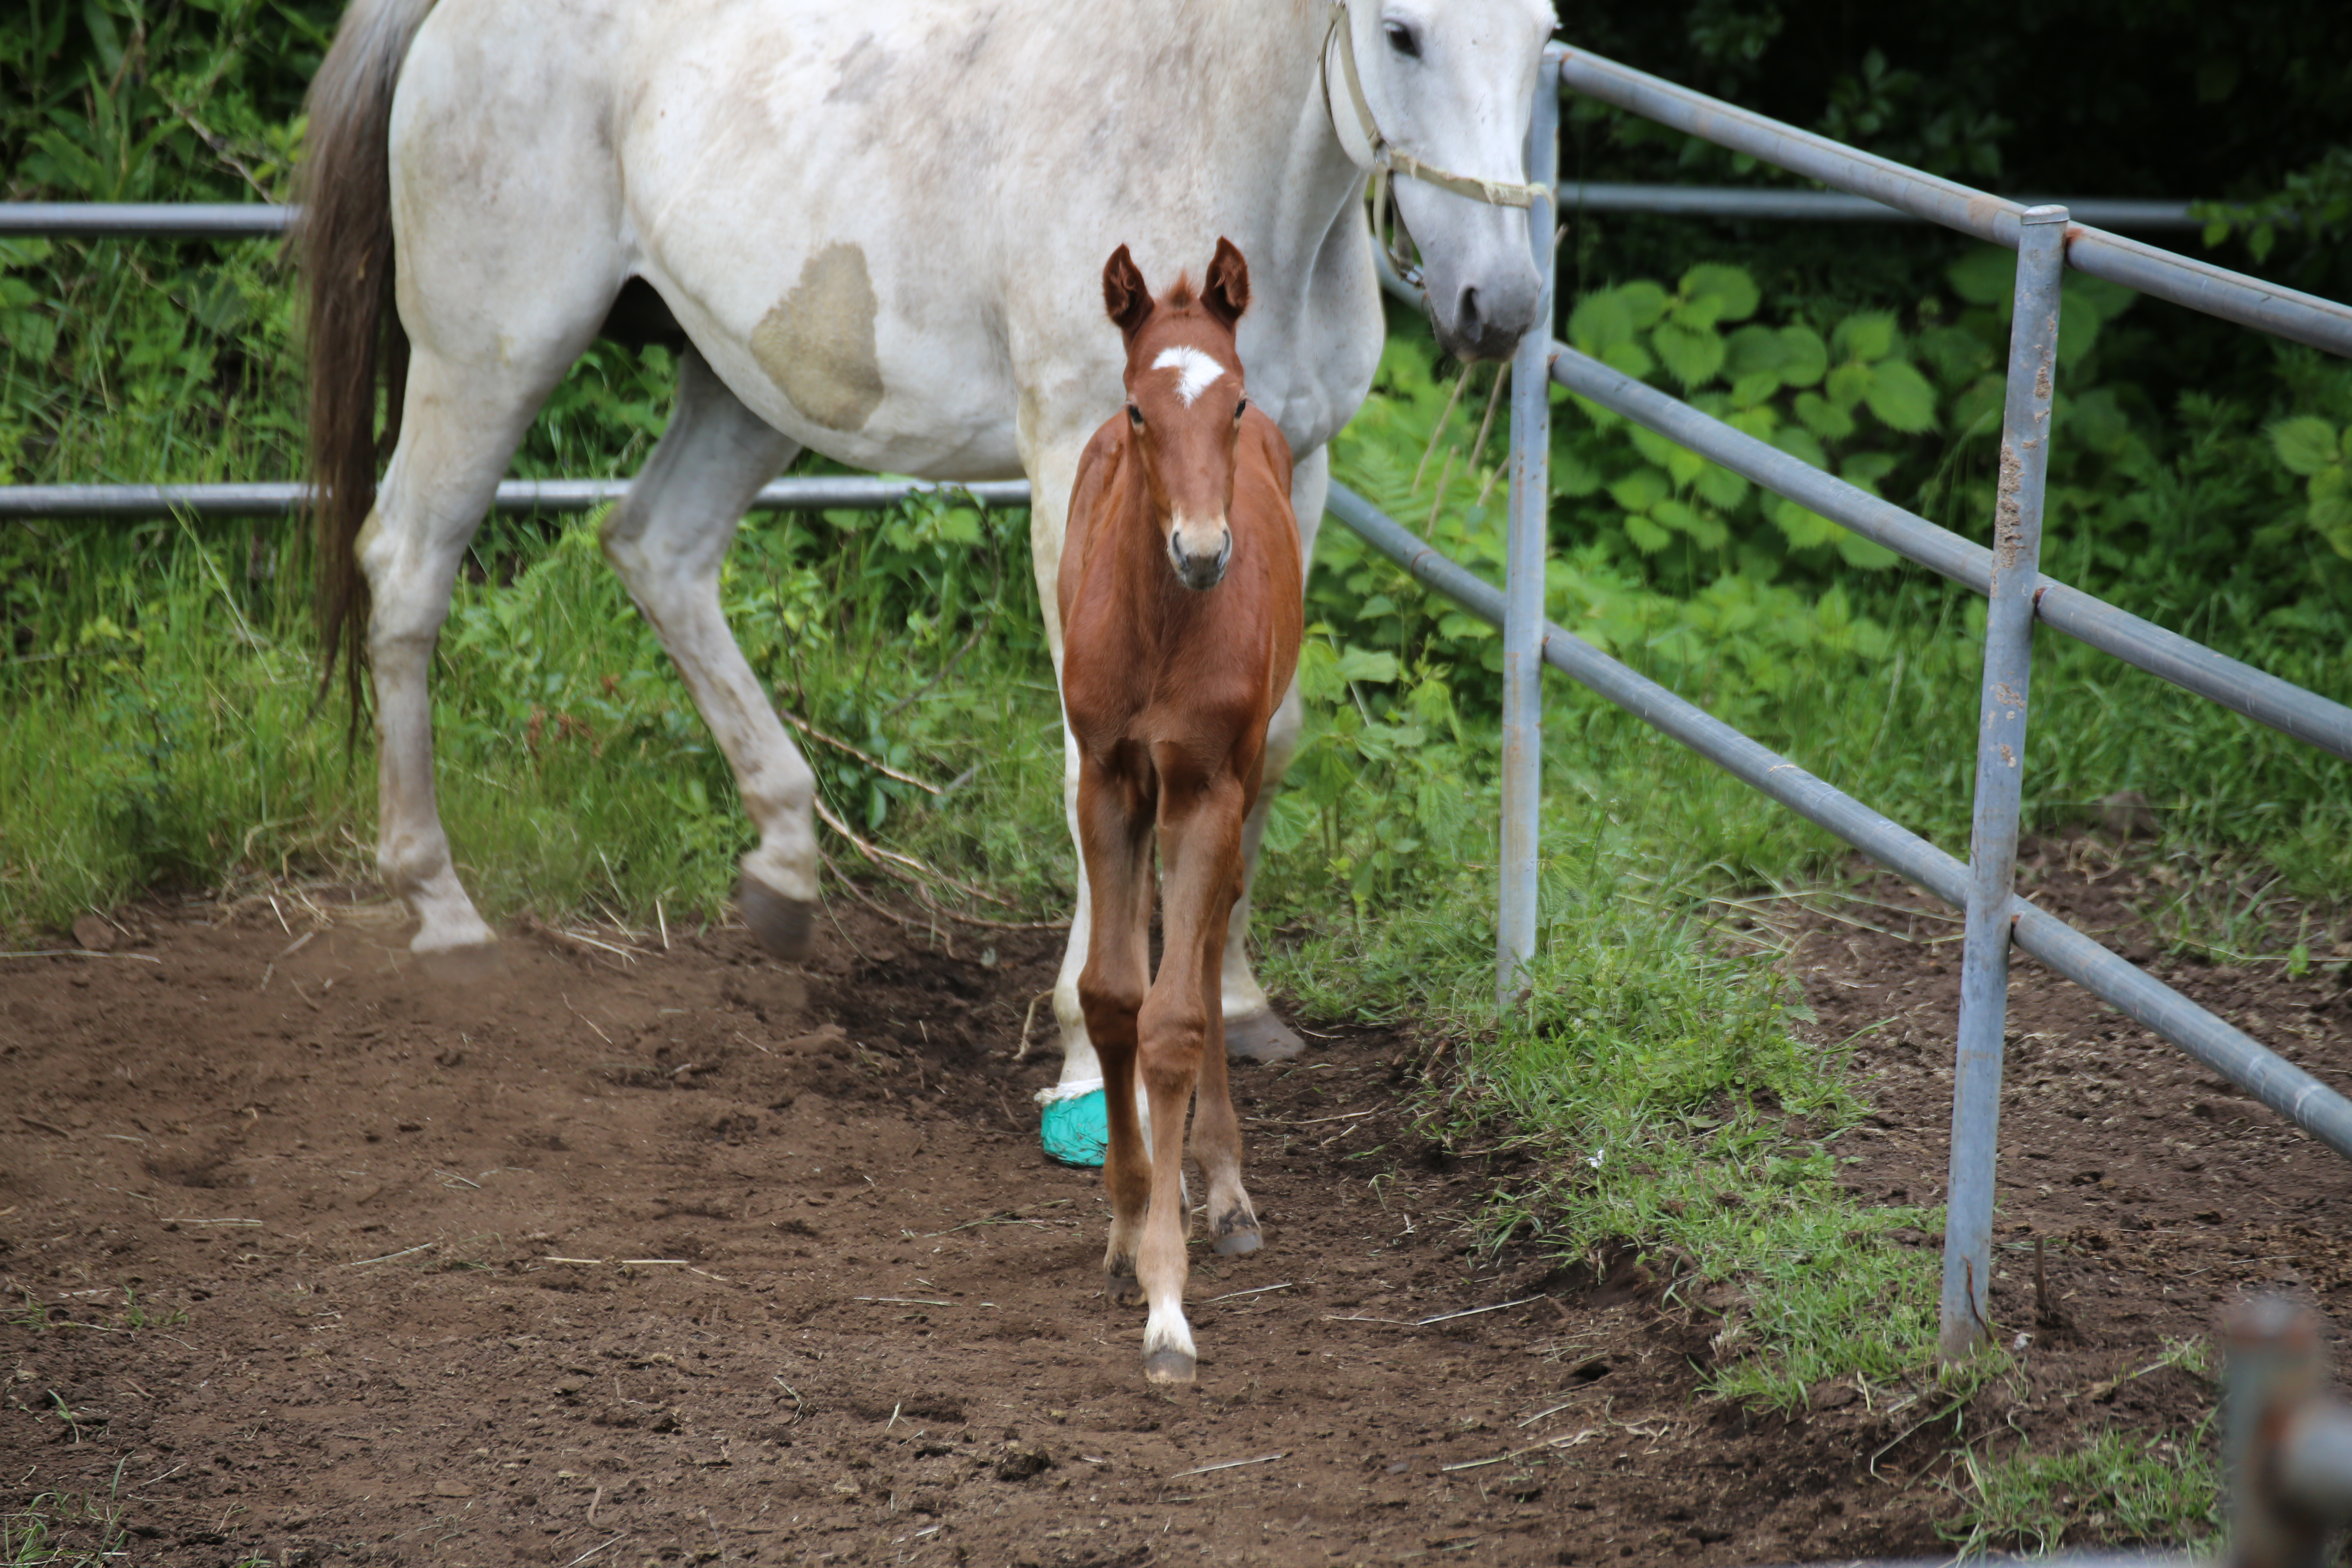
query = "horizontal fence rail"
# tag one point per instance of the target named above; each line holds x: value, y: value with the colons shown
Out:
x: 2263, y: 1073
x: 1833, y: 206
x: 261, y: 220
x: 143, y: 220
x: 2249, y: 301
x: 816, y: 493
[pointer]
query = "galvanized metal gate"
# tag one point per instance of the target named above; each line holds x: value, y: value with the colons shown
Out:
x: 2047, y: 241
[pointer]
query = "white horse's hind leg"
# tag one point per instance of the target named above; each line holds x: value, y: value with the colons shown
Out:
x: 666, y: 541
x: 460, y: 426
x: 1251, y: 1029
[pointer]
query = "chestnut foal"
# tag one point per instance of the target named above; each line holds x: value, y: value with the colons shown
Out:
x: 1180, y: 608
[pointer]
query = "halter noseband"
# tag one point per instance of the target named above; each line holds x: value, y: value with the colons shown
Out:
x: 1390, y: 160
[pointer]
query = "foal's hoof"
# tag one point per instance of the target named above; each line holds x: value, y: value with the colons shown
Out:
x: 1237, y: 1234
x: 1167, y: 1367
x: 1124, y: 1290
x: 468, y: 963
x: 786, y: 927
x: 1261, y: 1038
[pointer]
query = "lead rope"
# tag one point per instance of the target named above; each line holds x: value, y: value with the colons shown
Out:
x: 1389, y: 160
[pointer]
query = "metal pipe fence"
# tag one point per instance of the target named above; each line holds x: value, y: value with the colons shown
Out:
x: 2047, y: 241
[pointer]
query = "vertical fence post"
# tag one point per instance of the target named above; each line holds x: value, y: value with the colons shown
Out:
x: 1522, y: 576
x: 2001, y: 769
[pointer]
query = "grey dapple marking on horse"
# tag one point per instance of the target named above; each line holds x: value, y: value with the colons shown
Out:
x: 877, y: 230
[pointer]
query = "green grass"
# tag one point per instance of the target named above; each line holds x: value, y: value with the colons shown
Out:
x: 2117, y: 1487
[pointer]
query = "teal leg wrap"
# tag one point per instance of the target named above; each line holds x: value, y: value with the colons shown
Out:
x: 1077, y: 1126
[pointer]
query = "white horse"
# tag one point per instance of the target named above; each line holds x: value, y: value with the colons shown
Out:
x: 879, y: 228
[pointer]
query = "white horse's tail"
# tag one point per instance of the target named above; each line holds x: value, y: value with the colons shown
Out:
x: 344, y: 239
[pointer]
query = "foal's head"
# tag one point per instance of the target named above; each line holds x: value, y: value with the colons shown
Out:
x: 1184, y: 402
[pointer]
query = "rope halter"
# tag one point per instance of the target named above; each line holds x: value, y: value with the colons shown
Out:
x: 1387, y: 161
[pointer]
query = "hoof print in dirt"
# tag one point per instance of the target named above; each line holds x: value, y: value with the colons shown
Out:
x: 1021, y: 1462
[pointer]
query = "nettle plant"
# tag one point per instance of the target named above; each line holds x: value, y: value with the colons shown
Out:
x: 1839, y: 402
x: 2320, y: 454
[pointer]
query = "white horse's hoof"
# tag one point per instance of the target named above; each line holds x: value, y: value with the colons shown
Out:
x: 1169, y: 1366
x: 1261, y: 1038
x: 785, y: 926
x: 465, y: 964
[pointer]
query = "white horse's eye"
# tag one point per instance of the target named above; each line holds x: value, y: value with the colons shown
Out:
x: 1403, y: 41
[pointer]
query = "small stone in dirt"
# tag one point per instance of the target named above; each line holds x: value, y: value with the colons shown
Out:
x: 1020, y: 1463
x: 1830, y: 1396
x: 93, y: 935
x: 848, y: 1487
x: 452, y: 1489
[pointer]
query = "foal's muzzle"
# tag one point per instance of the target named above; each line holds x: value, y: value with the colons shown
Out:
x: 1199, y: 552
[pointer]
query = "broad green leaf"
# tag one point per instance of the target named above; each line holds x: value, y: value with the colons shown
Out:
x: 1693, y: 356
x: 1676, y: 515
x: 1721, y: 488
x: 1803, y: 528
x: 1865, y: 335
x: 1319, y: 679
x: 1864, y: 469
x: 1362, y: 664
x: 1600, y: 323
x: 1822, y: 417
x: 1901, y: 397
x: 1572, y: 476
x: 1732, y: 290
x: 1804, y: 357
x: 2306, y: 444
x: 1644, y: 301
x: 1849, y: 383
x: 1654, y: 446
x: 1641, y: 489
x: 1753, y: 350
x: 1866, y: 553
x: 1753, y: 389
x: 1647, y: 536
x: 1987, y: 275
x: 1629, y: 359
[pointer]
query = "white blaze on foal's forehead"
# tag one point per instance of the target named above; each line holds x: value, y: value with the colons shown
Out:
x: 1196, y: 371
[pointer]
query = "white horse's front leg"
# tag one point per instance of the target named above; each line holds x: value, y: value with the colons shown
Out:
x: 1251, y: 1030
x: 666, y: 541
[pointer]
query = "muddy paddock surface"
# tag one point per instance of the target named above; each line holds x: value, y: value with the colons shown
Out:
x: 645, y: 1255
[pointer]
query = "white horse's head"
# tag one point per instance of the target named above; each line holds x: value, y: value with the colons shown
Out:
x: 1449, y: 83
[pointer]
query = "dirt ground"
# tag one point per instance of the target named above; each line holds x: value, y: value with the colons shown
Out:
x: 648, y: 1255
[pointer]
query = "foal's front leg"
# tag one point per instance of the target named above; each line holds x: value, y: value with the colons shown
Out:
x: 1114, y: 834
x: 1200, y: 847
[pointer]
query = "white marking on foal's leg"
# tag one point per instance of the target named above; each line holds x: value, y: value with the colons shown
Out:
x: 1196, y: 371
x: 1168, y: 1353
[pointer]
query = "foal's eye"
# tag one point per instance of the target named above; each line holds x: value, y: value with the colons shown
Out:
x: 1239, y: 409
x: 1135, y: 415
x: 1403, y: 41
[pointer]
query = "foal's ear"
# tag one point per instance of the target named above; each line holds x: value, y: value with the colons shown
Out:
x: 1227, y: 294
x: 1124, y: 294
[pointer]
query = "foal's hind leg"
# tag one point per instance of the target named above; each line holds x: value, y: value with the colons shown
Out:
x: 666, y: 541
